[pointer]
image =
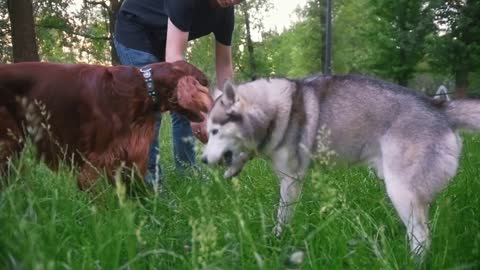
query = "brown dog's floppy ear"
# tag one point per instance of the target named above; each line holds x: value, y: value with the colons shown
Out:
x: 190, y: 70
x: 193, y: 97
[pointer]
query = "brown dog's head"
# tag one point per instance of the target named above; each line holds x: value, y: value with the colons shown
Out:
x: 190, y: 95
x: 182, y: 88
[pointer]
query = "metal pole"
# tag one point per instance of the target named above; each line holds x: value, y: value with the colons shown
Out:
x: 327, y: 66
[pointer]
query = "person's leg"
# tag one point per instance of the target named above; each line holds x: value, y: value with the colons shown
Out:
x: 183, y: 141
x: 138, y: 58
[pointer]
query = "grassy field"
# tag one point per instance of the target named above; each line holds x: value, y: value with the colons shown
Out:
x: 343, y: 221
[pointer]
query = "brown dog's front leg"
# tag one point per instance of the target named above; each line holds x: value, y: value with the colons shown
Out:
x: 11, y: 138
x: 88, y: 176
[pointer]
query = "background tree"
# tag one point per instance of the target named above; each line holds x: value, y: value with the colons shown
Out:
x: 5, y: 34
x: 74, y: 32
x: 418, y: 42
x: 249, y: 37
x: 109, y: 12
x: 455, y: 49
x: 398, y: 33
x: 244, y: 8
x: 307, y: 39
x: 56, y: 26
x: 201, y: 52
x: 288, y: 53
x: 353, y: 50
x: 24, y: 43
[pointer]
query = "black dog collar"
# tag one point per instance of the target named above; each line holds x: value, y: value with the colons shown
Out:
x: 147, y: 76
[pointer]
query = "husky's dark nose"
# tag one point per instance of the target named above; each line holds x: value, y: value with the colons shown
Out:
x: 204, y: 160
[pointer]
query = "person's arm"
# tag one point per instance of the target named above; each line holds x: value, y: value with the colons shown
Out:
x: 228, y: 3
x: 176, y: 43
x: 223, y: 64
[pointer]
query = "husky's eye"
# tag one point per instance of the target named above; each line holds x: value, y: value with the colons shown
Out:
x: 215, y: 131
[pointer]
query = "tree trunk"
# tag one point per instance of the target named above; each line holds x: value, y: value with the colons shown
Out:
x: 24, y: 40
x: 321, y: 6
x: 461, y: 81
x: 327, y: 41
x: 251, y: 52
x: 403, y: 75
x: 112, y: 11
x: 468, y: 37
x: 114, y: 7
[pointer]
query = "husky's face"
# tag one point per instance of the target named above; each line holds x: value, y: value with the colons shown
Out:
x: 227, y: 138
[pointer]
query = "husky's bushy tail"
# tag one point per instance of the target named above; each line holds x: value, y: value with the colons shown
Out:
x: 464, y: 114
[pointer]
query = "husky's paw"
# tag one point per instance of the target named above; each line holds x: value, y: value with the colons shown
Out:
x: 419, y: 250
x: 231, y: 172
x: 277, y: 230
x: 236, y: 166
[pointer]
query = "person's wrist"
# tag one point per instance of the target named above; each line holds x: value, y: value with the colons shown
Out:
x: 173, y: 58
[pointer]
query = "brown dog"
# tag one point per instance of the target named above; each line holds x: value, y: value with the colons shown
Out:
x: 95, y: 117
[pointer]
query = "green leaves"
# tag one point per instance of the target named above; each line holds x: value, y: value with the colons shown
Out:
x: 68, y: 32
x: 455, y: 47
x: 394, y: 40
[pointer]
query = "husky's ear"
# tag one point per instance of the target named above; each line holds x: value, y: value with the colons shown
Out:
x: 229, y: 93
x: 230, y: 99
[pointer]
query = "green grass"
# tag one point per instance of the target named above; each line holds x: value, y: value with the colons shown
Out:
x: 343, y: 221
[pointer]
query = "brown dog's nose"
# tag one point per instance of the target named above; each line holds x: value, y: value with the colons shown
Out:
x: 204, y: 160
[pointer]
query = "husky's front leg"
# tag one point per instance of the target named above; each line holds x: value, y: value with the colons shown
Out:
x: 290, y: 189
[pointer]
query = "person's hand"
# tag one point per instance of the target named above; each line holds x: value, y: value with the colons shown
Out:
x: 200, y: 130
x: 228, y: 3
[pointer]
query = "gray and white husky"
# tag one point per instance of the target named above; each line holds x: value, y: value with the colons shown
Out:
x: 410, y: 140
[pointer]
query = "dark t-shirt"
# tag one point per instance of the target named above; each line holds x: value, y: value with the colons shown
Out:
x: 142, y: 24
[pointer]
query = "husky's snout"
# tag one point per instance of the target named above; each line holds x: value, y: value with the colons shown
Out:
x: 232, y: 161
x: 226, y: 157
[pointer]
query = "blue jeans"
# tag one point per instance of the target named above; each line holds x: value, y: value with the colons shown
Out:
x: 183, y: 143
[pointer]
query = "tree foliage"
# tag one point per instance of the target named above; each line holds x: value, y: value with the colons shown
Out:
x: 67, y: 30
x: 399, y: 32
x: 354, y: 51
x: 5, y: 34
x: 455, y: 49
x: 406, y: 41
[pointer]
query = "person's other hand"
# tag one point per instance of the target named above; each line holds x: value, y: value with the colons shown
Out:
x: 228, y: 3
x: 200, y: 130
